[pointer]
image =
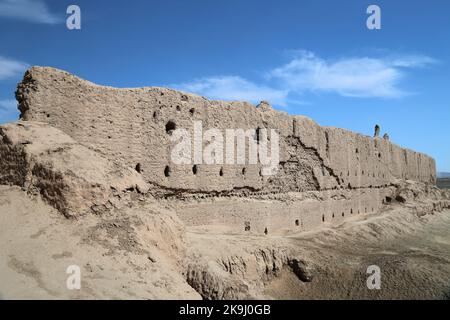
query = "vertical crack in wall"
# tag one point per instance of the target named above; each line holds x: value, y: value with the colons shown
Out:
x: 327, y: 138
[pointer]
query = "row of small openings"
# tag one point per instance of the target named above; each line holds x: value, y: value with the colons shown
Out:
x: 157, y: 112
x: 343, y: 214
x: 178, y: 107
x: 168, y: 171
x: 363, y: 173
x: 191, y: 110
x: 297, y: 224
x: 247, y: 227
x: 195, y: 170
x: 170, y: 127
x: 379, y: 153
x: 297, y: 221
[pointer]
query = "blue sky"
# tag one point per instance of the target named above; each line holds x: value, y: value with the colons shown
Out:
x: 315, y: 58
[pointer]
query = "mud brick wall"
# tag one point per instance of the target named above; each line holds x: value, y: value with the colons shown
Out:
x: 133, y: 127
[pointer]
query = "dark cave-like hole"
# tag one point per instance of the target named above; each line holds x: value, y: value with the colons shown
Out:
x: 170, y: 126
x: 138, y: 168
x: 258, y: 134
x: 167, y: 171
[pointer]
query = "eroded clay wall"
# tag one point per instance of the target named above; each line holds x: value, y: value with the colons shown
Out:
x: 130, y: 126
x: 325, y: 174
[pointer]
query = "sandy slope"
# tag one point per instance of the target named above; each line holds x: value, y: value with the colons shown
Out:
x: 37, y: 245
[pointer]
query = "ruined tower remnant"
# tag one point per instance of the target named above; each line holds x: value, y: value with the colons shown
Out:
x: 377, y: 131
x: 133, y: 128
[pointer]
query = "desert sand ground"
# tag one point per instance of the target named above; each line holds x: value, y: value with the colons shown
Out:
x: 145, y: 252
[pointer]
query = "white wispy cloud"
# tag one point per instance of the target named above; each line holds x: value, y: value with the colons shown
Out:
x: 234, y: 88
x: 28, y: 10
x: 361, y: 77
x: 10, y: 68
x: 411, y: 61
x: 351, y: 77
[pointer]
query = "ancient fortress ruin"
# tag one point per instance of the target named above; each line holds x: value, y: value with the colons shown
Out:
x: 115, y: 141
